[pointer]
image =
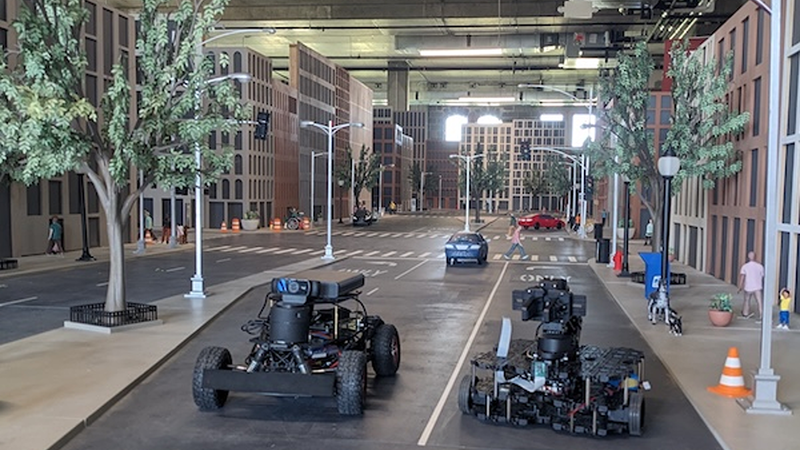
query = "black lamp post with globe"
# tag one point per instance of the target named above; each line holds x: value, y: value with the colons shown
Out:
x: 668, y: 167
x: 340, y: 182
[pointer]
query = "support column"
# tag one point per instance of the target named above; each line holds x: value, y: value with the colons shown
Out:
x: 398, y: 85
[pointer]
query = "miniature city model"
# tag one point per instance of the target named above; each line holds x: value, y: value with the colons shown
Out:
x: 307, y: 345
x: 553, y: 380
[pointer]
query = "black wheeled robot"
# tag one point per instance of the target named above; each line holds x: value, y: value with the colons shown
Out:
x: 308, y: 345
x: 553, y: 380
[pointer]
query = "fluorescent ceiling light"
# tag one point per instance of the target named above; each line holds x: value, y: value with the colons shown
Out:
x: 462, y: 52
x: 581, y: 63
x: 551, y: 118
x: 487, y: 99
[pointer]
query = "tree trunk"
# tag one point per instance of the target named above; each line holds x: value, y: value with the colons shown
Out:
x: 477, y: 211
x: 115, y: 295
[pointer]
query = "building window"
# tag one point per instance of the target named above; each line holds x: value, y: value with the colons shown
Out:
x: 788, y: 184
x: 237, y: 164
x: 226, y: 189
x: 795, y: 31
x: 791, y: 117
x: 757, y: 106
x: 212, y: 191
x: 745, y: 42
x: 237, y: 62
x: 54, y: 197
x: 753, y: 176
x: 238, y: 189
x: 721, y: 52
x: 34, y: 195
x: 74, y: 186
x: 760, y: 37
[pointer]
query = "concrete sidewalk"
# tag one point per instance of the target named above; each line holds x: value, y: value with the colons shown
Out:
x: 695, y: 360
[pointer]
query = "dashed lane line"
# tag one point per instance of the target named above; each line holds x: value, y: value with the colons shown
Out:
x: 286, y: 250
x: 22, y: 300
x: 223, y: 260
x: 267, y: 250
x: 372, y: 253
x: 406, y: 254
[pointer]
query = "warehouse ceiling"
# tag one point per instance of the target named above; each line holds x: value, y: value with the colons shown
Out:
x: 562, y: 43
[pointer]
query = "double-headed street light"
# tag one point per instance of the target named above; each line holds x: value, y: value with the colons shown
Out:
x: 468, y: 161
x: 330, y: 129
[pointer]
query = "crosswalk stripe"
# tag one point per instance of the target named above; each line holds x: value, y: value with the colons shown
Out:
x: 383, y: 235
x: 572, y: 259
x: 359, y: 234
x: 515, y: 257
x: 560, y: 239
x: 336, y: 233
x: 355, y: 252
x: 300, y: 252
x: 497, y: 238
x: 212, y: 249
x: 421, y: 236
x: 547, y: 239
x: 287, y: 250
x: 441, y: 256
x: 251, y: 249
x: 497, y: 256
x: 386, y: 255
x: 425, y: 255
x: 348, y: 233
x: 535, y: 238
x: 534, y: 257
x: 409, y: 235
x: 372, y: 253
x: 267, y: 250
x: 371, y: 234
x: 553, y: 258
x: 406, y: 254
x: 233, y: 249
x: 396, y: 235
x: 318, y: 252
x: 433, y: 236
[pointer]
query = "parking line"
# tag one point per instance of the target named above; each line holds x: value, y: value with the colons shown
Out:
x: 553, y: 258
x: 406, y: 254
x: 409, y: 270
x: 373, y: 253
x: 267, y: 250
x: 14, y: 302
x: 425, y: 255
x: 437, y: 411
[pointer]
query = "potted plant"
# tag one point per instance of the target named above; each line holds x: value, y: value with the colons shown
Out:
x: 251, y: 220
x: 621, y: 229
x: 720, y: 311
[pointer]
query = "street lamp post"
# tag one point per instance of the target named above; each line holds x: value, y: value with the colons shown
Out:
x: 313, y: 171
x: 624, y: 272
x: 468, y: 162
x: 330, y: 130
x: 422, y: 190
x: 668, y: 167
x: 440, y: 192
x: 140, y: 244
x: 341, y: 186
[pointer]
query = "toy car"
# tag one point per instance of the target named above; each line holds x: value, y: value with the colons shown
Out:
x: 553, y: 380
x: 540, y: 221
x: 309, y: 344
x: 466, y: 245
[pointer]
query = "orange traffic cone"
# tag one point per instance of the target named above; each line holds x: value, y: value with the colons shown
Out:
x: 276, y: 224
x: 224, y: 227
x: 731, y: 383
x: 235, y: 225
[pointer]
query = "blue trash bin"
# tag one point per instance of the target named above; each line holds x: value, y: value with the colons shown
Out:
x: 652, y: 272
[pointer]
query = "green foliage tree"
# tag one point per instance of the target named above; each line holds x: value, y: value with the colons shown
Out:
x: 365, y: 175
x: 487, y: 174
x: 48, y: 125
x: 415, y: 179
x: 557, y: 176
x: 700, y: 132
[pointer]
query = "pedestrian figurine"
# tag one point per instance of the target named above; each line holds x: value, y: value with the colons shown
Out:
x: 751, y: 280
x: 784, y: 305
x: 148, y: 225
x: 512, y: 225
x: 515, y: 244
x: 54, y: 237
x: 648, y: 232
x: 166, y: 230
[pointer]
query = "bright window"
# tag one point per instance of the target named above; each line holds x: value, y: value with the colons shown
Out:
x: 489, y: 120
x: 580, y: 131
x: 452, y: 128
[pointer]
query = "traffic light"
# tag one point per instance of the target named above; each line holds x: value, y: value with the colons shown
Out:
x: 525, y: 150
x: 589, y: 185
x: 262, y: 125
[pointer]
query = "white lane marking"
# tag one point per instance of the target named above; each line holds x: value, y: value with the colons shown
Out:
x: 425, y: 255
x: 372, y: 253
x: 251, y: 249
x: 349, y: 233
x: 572, y: 259
x: 534, y: 257
x: 355, y: 252
x: 560, y: 239
x: 217, y: 248
x: 397, y: 235
x: 441, y: 256
x: 267, y: 250
x: 318, y: 252
x: 409, y: 235
x: 300, y: 252
x: 286, y: 250
x: 406, y: 254
x: 553, y: 258
x: 383, y: 235
x: 14, y: 302
x: 437, y: 411
x: 434, y: 236
x: 388, y: 254
x: 175, y: 269
x: 373, y: 291
x: 336, y: 233
x: 515, y: 257
x: 233, y: 249
x: 104, y: 283
x: 223, y: 260
x: 497, y: 256
x: 359, y: 234
x: 535, y: 238
x: 547, y: 239
x: 409, y: 270
x: 422, y: 236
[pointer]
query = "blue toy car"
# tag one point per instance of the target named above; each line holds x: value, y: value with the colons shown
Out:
x: 466, y: 245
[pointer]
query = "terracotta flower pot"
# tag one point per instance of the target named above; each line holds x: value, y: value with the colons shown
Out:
x: 720, y: 318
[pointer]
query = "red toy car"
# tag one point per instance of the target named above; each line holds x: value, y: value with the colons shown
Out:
x: 541, y: 221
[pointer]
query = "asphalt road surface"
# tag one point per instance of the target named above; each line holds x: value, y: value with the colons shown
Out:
x: 444, y: 315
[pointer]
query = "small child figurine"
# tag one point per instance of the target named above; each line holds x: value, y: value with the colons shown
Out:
x: 785, y: 304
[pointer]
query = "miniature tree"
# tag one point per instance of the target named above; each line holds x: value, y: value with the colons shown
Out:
x: 48, y: 125
x: 365, y: 175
